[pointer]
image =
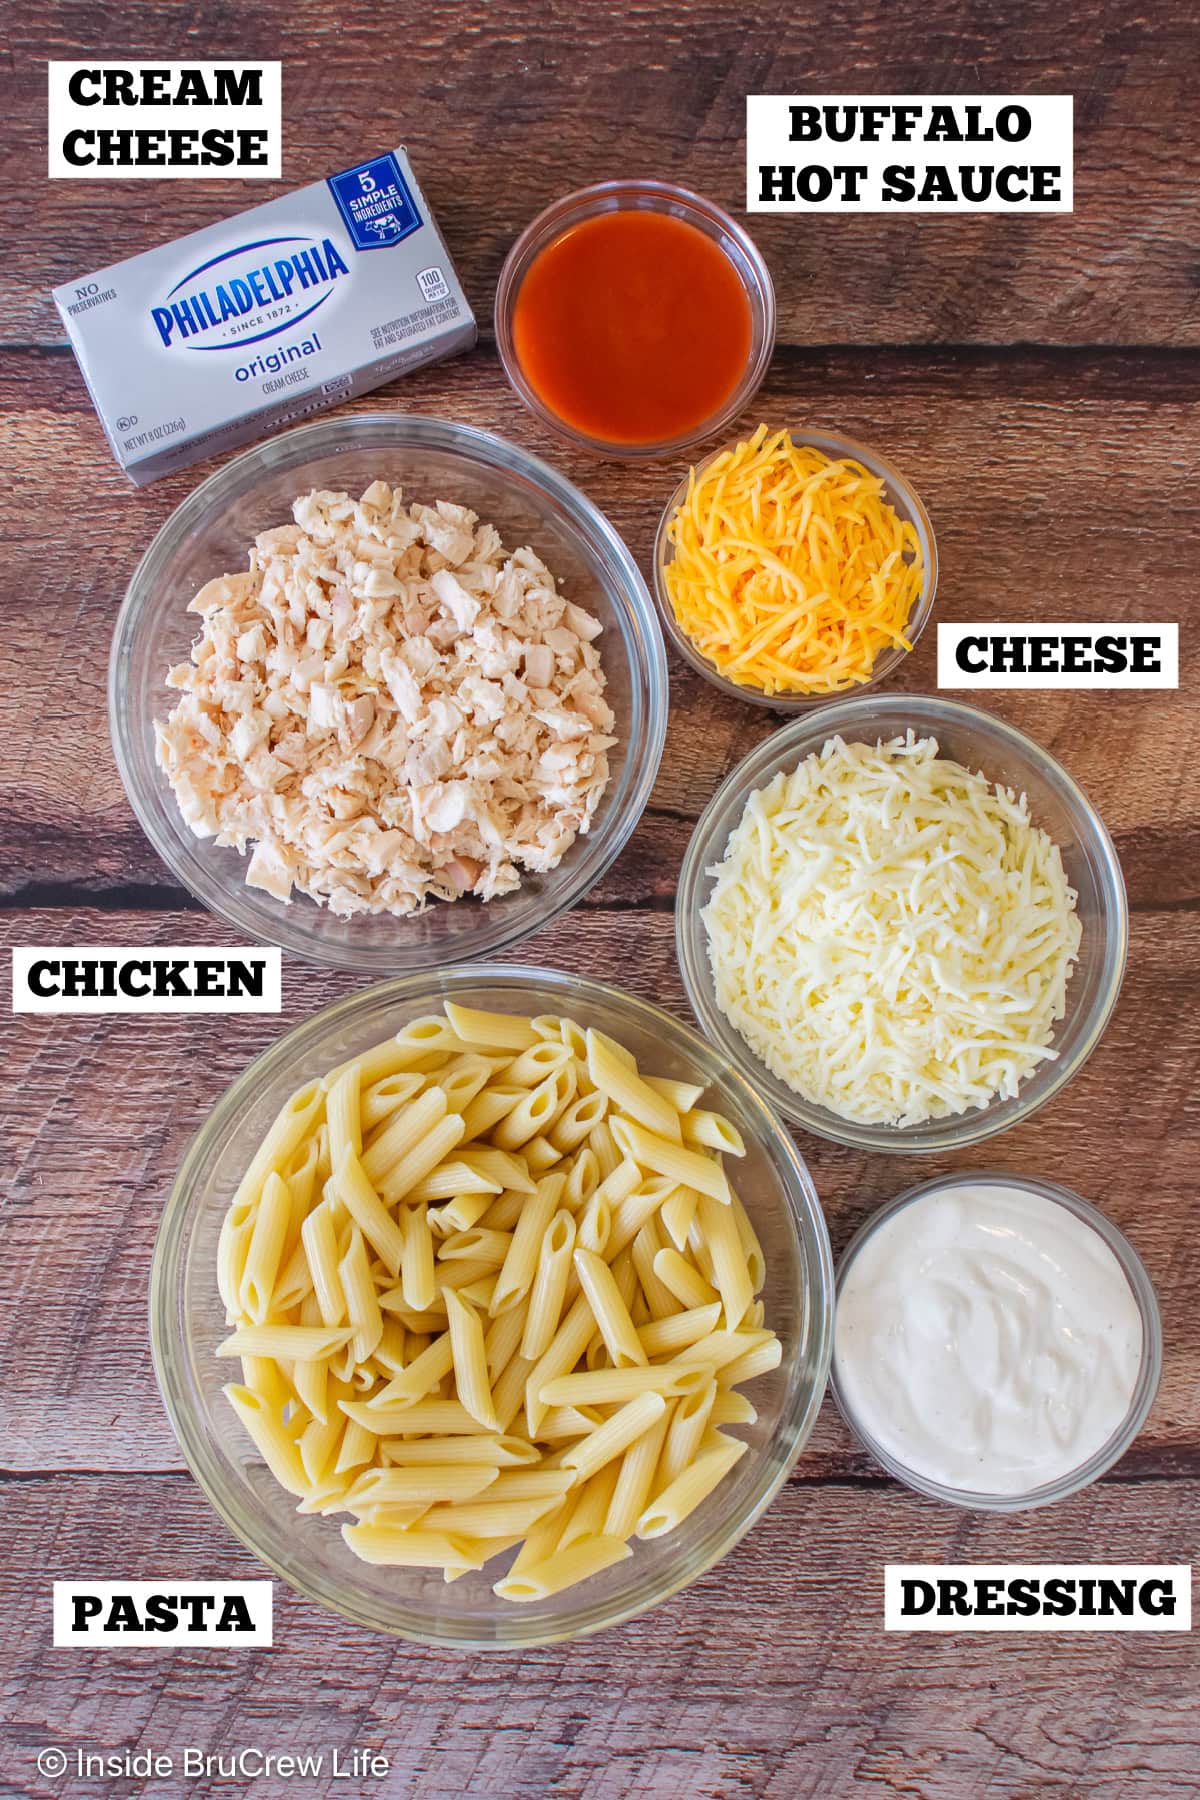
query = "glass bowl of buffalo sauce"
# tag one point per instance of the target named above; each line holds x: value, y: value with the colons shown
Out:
x: 635, y: 318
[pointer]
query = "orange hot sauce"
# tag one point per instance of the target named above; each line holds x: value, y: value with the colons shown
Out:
x: 632, y: 327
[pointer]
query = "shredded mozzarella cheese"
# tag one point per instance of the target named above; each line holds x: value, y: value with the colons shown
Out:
x: 891, y: 934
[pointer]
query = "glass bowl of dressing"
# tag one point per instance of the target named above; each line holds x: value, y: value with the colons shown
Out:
x: 635, y: 318
x: 997, y: 1342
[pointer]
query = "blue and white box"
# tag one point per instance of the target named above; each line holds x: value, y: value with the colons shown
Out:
x: 279, y: 312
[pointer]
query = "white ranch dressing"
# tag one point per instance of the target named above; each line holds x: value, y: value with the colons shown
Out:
x: 987, y: 1338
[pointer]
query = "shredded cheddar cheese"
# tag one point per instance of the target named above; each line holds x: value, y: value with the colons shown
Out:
x: 891, y: 934
x: 791, y: 573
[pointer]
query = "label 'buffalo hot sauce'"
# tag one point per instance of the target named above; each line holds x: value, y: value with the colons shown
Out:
x: 632, y: 327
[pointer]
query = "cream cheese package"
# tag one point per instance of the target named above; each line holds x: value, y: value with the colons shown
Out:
x: 276, y: 313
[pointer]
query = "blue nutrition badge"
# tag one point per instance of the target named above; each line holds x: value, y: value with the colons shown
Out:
x: 374, y: 200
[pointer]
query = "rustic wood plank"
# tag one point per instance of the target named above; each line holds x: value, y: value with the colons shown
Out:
x: 92, y: 1159
x: 505, y: 109
x: 770, y: 1679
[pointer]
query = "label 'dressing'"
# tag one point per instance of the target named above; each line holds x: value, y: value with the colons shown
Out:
x: 164, y: 120
x: 1037, y: 1597
x: 1039, y: 655
x: 889, y: 153
x: 164, y: 1613
x: 156, y: 978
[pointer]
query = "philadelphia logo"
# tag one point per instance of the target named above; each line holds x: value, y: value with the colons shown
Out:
x: 234, y: 288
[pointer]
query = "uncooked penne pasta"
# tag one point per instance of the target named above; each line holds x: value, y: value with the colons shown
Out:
x: 628, y: 1094
x: 496, y: 1031
x: 272, y: 1221
x: 650, y: 1150
x: 563, y: 1569
x: 673, y: 1505
x: 491, y: 1290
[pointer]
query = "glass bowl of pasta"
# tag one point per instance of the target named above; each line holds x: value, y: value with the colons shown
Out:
x: 403, y: 739
x: 904, y: 921
x: 491, y: 1307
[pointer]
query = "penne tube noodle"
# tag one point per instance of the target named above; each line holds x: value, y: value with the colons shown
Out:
x: 678, y: 1211
x: 578, y: 1121
x: 429, y: 1319
x: 520, y: 1264
x: 711, y: 1131
x: 233, y: 1243
x: 660, y: 1301
x: 684, y: 1281
x: 421, y: 1159
x: 461, y: 1213
x: 487, y: 1519
x: 590, y: 1509
x: 408, y: 1549
x: 633, y: 1212
x: 353, y: 1188
x: 676, y: 1502
x: 357, y: 1447
x: 603, y: 1143
x: 663, y: 1337
x: 478, y: 1245
x: 272, y: 1222
x: 311, y: 1343
x: 505, y: 1210
x: 432, y: 1031
x: 301, y: 1177
x: 418, y: 1282
x: 463, y: 1079
x: 379, y: 1101
x: 298, y: 1115
x: 540, y: 1156
x: 262, y: 1375
x: 362, y: 1301
x: 568, y: 1345
x: 759, y: 1361
x: 295, y: 1279
x: 460, y: 1274
x: 391, y: 1518
x: 407, y: 1126
x: 498, y: 1167
x: 490, y: 1449
x: 722, y: 1347
x: 317, y: 1445
x: 751, y: 1247
x: 389, y: 1058
x: 502, y: 1339
x: 541, y: 1540
x: 536, y: 1064
x: 272, y: 1442
x: 682, y: 1095
x: 562, y: 1570
x: 417, y: 1420
x: 549, y: 1286
x: 311, y: 1382
x: 470, y: 1364
x: 495, y: 1031
x: 563, y: 1422
x: 613, y: 1387
x: 479, y: 1292
x: 660, y: 1156
x: 595, y: 1226
x: 426, y: 1484
x: 689, y: 1423
x: 609, y: 1309
x: 730, y: 1274
x: 583, y: 1179
x: 615, y: 1435
x: 732, y: 1408
x: 419, y: 1378
x: 343, y: 1115
x: 628, y: 1094
x: 636, y: 1477
x: 452, y: 1180
x: 509, y: 1392
x: 390, y: 1357
x: 487, y: 1109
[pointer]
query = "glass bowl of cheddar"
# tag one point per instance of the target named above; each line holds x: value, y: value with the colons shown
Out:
x: 904, y: 921
x: 355, y: 1458
x: 791, y: 567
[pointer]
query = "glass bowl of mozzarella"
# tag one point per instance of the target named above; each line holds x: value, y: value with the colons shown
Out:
x: 420, y: 726
x: 904, y: 921
x: 356, y: 1349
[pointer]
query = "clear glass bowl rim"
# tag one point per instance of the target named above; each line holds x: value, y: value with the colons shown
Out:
x: 926, y: 711
x: 1149, y: 1373
x: 834, y: 444
x: 422, y: 431
x: 659, y: 196
x: 168, y: 1334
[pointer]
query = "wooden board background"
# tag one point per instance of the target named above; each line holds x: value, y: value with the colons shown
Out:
x: 1038, y: 378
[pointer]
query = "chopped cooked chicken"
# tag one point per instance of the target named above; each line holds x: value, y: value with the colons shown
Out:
x: 389, y: 708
